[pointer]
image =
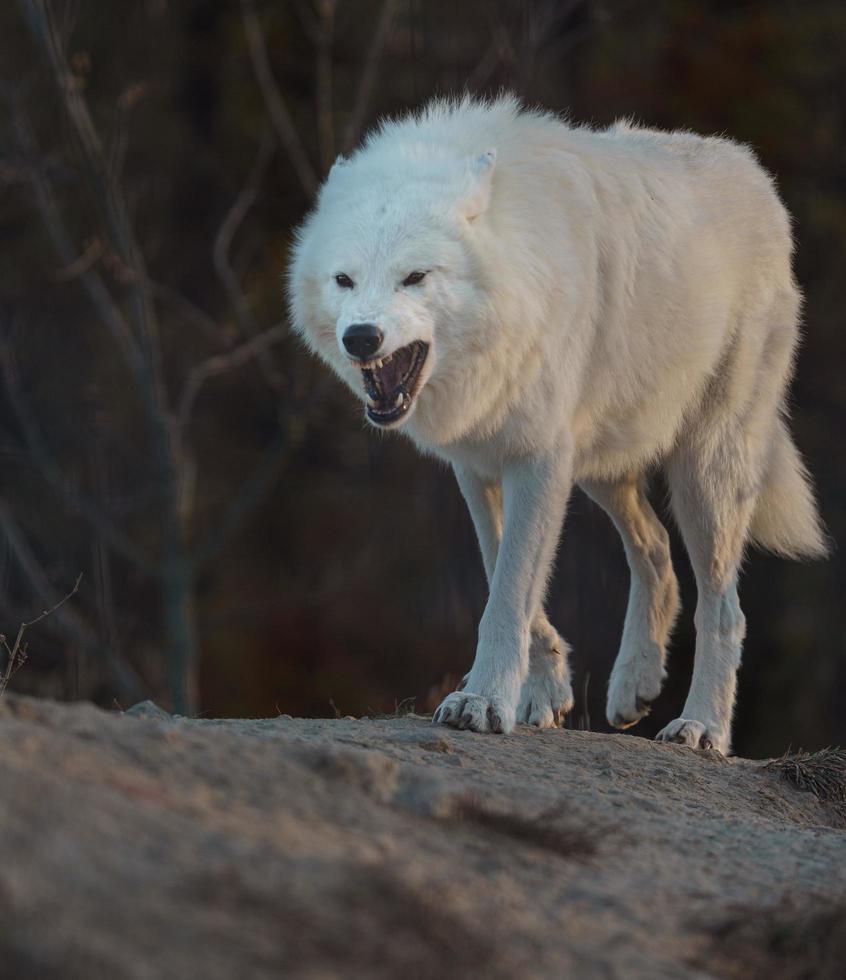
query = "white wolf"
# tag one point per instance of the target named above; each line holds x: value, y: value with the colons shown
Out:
x: 542, y: 305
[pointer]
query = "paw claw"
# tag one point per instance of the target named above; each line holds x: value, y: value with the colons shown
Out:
x: 694, y: 734
x: 635, y: 683
x: 494, y: 721
x: 475, y: 712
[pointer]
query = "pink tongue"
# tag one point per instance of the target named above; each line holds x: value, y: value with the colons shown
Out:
x: 391, y: 374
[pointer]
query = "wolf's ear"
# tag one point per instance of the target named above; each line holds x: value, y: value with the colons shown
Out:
x: 477, y: 196
x: 340, y: 161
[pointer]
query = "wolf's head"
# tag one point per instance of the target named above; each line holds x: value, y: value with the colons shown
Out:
x: 384, y: 282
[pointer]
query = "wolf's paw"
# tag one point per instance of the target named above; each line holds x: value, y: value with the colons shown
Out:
x: 546, y: 695
x: 479, y: 714
x: 635, y: 683
x: 695, y: 734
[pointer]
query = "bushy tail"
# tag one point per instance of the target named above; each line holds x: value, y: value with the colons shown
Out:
x: 786, y: 519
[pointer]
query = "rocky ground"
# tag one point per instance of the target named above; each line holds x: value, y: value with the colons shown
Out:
x: 144, y: 846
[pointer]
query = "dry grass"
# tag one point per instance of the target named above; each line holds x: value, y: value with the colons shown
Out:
x: 402, y: 709
x: 821, y: 773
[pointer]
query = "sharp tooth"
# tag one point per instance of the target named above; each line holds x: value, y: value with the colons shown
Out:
x: 400, y: 400
x: 378, y: 364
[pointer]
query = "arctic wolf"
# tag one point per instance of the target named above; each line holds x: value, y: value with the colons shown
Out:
x: 542, y: 305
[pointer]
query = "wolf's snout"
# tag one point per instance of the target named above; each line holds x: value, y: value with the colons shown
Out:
x: 362, y: 340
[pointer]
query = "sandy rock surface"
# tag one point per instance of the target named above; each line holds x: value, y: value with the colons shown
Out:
x: 138, y: 845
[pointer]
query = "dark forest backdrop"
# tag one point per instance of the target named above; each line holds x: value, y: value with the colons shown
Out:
x: 249, y: 546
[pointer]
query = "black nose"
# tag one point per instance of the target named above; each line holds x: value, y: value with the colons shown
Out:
x: 362, y: 340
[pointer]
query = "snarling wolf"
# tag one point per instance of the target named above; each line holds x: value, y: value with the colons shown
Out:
x: 542, y: 305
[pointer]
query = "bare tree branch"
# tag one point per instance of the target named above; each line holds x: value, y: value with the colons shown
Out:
x: 222, y: 363
x: 368, y: 76
x: 70, y: 13
x: 325, y: 118
x: 499, y: 51
x: 309, y: 20
x: 100, y: 552
x: 70, y: 622
x: 16, y: 653
x: 252, y: 491
x: 52, y: 472
x: 227, y: 274
x: 110, y: 201
x: 256, y: 347
x: 42, y: 23
x: 233, y: 220
x: 280, y: 117
x: 67, y: 252
x: 186, y: 310
x: 90, y: 256
x: 176, y: 581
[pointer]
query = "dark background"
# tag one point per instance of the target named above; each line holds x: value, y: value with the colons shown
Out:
x: 249, y: 546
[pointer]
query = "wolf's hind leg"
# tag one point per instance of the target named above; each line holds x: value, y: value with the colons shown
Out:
x: 716, y: 474
x: 653, y: 599
x: 713, y: 499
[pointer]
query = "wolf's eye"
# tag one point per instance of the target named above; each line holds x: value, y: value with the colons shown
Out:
x: 344, y: 281
x: 414, y: 278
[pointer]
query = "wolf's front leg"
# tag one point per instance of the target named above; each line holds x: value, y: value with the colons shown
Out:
x: 546, y: 695
x: 535, y: 492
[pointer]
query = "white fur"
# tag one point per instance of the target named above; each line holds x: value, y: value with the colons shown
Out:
x: 596, y: 302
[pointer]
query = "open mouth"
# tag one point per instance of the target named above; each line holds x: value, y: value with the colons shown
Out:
x: 392, y: 382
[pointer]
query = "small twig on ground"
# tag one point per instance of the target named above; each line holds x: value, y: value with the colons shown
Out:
x: 16, y: 653
x: 404, y: 707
